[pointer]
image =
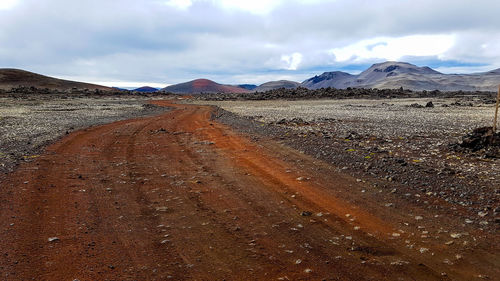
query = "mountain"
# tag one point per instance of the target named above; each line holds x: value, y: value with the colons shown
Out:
x: 120, y: 89
x: 494, y: 72
x: 202, y: 86
x: 146, y: 89
x: 248, y: 86
x: 12, y: 78
x: 335, y: 79
x: 391, y: 75
x: 277, y: 85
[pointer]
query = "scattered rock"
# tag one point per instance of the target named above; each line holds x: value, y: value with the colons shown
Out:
x: 53, y: 239
x: 416, y: 105
x: 399, y: 262
x: 162, y: 209
x: 423, y: 250
x: 306, y: 213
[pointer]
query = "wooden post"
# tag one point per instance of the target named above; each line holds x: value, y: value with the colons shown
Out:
x: 496, y: 111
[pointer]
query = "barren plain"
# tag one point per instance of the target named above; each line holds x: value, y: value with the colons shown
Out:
x: 353, y: 189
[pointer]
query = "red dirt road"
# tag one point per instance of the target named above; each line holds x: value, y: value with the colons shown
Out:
x: 181, y: 197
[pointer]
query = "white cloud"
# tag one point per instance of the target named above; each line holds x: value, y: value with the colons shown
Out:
x: 254, y: 6
x: 292, y: 61
x: 179, y: 4
x: 394, y: 48
x: 150, y: 40
x: 257, y: 7
x: 476, y: 47
x: 8, y: 4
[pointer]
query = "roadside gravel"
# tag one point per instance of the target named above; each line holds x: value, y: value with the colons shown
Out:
x: 29, y: 123
x: 397, y: 145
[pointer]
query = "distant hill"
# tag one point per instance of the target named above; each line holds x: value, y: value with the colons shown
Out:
x: 391, y: 75
x: 12, y: 78
x: 248, y: 86
x: 335, y: 79
x: 146, y: 89
x: 203, y: 86
x: 120, y: 89
x: 277, y: 85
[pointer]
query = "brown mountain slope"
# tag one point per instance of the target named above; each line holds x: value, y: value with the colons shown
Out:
x: 203, y: 86
x: 12, y: 78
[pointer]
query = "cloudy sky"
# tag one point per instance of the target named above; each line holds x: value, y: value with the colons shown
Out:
x: 160, y: 42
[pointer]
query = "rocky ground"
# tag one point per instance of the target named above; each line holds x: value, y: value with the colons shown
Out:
x: 180, y: 196
x: 31, y: 119
x: 410, y: 147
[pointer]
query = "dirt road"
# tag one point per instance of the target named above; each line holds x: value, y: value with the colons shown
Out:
x: 181, y: 197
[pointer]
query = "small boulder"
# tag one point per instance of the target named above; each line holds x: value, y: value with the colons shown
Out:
x: 306, y: 214
x: 53, y: 239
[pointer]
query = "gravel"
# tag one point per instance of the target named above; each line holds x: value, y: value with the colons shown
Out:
x: 404, y: 149
x: 384, y: 118
x: 30, y: 122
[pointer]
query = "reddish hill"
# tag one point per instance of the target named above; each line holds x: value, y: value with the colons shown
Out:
x: 12, y: 78
x: 203, y: 86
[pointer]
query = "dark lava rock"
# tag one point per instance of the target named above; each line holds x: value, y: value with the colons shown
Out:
x: 481, y: 140
x: 416, y: 105
x: 429, y: 104
x: 306, y: 214
x: 293, y: 122
x: 333, y: 93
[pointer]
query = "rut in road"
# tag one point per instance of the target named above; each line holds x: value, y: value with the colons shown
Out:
x: 181, y: 197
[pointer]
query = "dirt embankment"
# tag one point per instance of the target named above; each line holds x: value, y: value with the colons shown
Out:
x: 182, y: 197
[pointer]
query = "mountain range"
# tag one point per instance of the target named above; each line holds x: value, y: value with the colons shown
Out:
x: 387, y: 75
x: 391, y: 75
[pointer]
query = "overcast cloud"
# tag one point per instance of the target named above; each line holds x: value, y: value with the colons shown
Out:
x: 159, y: 42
